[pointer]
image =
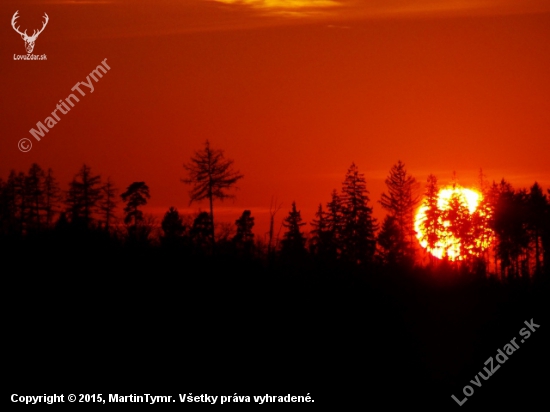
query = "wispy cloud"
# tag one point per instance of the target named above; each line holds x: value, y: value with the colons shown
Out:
x: 286, y: 7
x: 78, y: 2
x: 351, y: 9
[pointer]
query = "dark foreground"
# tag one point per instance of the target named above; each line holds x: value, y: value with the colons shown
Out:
x: 133, y: 322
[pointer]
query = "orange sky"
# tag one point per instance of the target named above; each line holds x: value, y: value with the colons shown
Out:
x: 293, y: 91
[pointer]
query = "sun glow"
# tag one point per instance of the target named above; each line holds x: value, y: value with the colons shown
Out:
x: 455, y: 226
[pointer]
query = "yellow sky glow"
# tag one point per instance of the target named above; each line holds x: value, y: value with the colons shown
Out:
x: 286, y: 7
x: 377, y: 8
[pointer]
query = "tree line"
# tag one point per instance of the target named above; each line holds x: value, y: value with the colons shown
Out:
x: 514, y: 222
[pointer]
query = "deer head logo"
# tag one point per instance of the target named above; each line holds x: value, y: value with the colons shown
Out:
x: 29, y: 40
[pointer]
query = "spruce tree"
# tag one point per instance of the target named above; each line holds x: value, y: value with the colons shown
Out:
x: 34, y: 193
x: 390, y: 242
x: 136, y: 196
x: 293, y: 243
x: 83, y: 197
x: 358, y: 225
x: 400, y: 203
x: 431, y: 226
x: 108, y: 203
x: 244, y: 238
x: 537, y: 205
x: 52, y: 196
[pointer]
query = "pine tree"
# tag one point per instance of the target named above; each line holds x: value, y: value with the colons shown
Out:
x: 509, y: 222
x: 244, y: 238
x: 358, y: 225
x: 34, y: 193
x: 201, y: 233
x: 457, y: 231
x: 83, y: 197
x: 172, y: 224
x: 431, y: 226
x: 293, y: 243
x: 19, y: 200
x: 335, y: 219
x: 320, y: 233
x: 108, y: 203
x: 537, y: 205
x: 135, y: 196
x: 173, y: 228
x: 52, y: 196
x: 400, y: 202
x: 6, y: 209
x: 9, y: 216
x: 391, y: 242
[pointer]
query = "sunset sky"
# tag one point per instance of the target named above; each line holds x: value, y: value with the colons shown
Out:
x: 293, y: 91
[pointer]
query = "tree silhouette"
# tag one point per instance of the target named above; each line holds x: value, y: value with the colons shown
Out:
x: 201, y: 233
x: 34, y: 192
x: 457, y: 228
x: 172, y: 224
x: 546, y: 238
x: 18, y: 200
x: 108, y: 204
x: 135, y: 196
x: 320, y: 234
x: 334, y: 218
x: 273, y: 209
x: 244, y: 238
x: 537, y: 205
x: 391, y: 242
x: 211, y: 176
x: 400, y: 203
x: 431, y: 226
x: 83, y: 196
x: 8, y: 224
x: 173, y: 228
x: 509, y: 223
x: 293, y: 243
x: 51, y: 197
x: 358, y: 225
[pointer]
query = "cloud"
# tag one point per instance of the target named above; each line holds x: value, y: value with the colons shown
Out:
x: 288, y: 8
x: 78, y: 2
x: 353, y: 9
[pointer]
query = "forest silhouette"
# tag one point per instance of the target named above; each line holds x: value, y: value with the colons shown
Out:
x: 351, y: 294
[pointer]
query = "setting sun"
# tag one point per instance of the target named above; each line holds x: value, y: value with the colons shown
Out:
x: 456, y: 225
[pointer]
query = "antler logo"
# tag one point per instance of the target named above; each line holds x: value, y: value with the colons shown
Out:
x: 29, y: 40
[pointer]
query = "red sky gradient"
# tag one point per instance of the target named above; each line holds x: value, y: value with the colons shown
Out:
x: 292, y: 93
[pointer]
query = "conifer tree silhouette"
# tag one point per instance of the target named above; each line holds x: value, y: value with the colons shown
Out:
x: 400, y: 202
x: 52, y: 196
x: 108, y: 203
x: 431, y: 226
x: 34, y: 192
x: 358, y: 225
x: 293, y: 243
x: 83, y: 196
x: 135, y: 196
x: 244, y: 238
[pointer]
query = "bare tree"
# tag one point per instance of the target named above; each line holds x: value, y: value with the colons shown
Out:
x: 211, y: 176
x: 273, y: 209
